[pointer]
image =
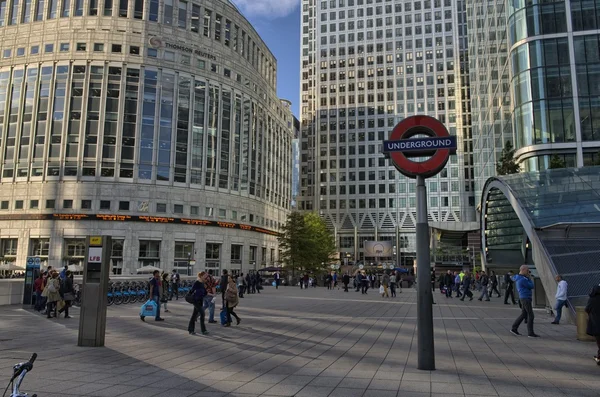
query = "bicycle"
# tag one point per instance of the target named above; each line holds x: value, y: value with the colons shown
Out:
x: 19, y: 372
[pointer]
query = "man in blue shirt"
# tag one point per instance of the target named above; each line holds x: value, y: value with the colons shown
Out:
x: 524, y: 286
x: 155, y: 286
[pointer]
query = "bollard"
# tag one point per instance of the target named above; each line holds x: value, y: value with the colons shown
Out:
x: 581, y: 322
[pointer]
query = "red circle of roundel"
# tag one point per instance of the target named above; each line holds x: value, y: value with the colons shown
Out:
x: 426, y: 125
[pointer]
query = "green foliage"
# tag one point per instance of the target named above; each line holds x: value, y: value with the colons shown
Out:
x: 557, y: 162
x: 306, y: 242
x: 507, y: 164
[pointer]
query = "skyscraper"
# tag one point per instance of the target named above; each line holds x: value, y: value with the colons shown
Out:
x: 366, y: 65
x: 540, y: 91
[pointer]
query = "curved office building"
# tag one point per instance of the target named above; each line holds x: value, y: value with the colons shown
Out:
x: 153, y: 121
x: 555, y: 65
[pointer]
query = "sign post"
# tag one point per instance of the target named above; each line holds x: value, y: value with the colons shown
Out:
x: 92, y: 320
x: 421, y: 136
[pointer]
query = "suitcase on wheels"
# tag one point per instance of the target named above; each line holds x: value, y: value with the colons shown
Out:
x: 148, y: 309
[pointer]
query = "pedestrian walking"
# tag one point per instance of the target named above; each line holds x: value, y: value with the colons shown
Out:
x: 524, y: 287
x: 231, y: 300
x: 483, y: 282
x: 365, y: 283
x: 494, y: 283
x: 508, y: 281
x: 240, y: 284
x: 593, y: 310
x: 385, y: 281
x: 210, y: 284
x: 52, y: 294
x: 248, y: 283
x: 467, y: 286
x: 258, y: 282
x: 457, y: 283
x: 199, y: 292
x: 449, y: 283
x: 67, y: 293
x: 561, y: 297
x: 433, y: 280
x: 223, y: 285
x: 175, y: 282
x: 38, y: 287
x: 155, y: 293
x: 358, y: 281
x: 393, y: 281
x: 346, y: 281
x: 164, y: 293
x: 277, y: 278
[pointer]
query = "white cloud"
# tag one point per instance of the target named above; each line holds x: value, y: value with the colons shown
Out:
x: 267, y: 8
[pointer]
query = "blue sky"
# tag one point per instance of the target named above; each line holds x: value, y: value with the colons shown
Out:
x: 278, y: 23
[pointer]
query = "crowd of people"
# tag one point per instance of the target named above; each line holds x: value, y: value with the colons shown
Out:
x: 204, y: 295
x: 54, y: 292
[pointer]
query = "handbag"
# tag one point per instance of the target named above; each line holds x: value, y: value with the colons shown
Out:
x: 69, y: 296
x: 190, y: 297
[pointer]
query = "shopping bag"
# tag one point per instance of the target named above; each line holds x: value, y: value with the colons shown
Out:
x: 274, y: 284
x: 148, y: 309
x: 223, y: 316
x: 381, y: 290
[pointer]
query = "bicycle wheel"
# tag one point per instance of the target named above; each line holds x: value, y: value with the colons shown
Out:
x: 110, y: 299
x: 118, y: 298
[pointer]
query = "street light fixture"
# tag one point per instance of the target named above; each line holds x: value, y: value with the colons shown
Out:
x: 189, y: 273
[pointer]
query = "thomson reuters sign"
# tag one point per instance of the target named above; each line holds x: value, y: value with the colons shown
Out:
x: 156, y: 43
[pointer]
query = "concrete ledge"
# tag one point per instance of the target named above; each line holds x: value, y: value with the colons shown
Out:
x: 11, y: 291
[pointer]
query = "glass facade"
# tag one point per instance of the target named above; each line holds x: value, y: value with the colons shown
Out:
x: 137, y: 125
x: 365, y: 66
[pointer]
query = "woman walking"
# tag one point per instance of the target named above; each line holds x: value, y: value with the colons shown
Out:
x: 52, y: 294
x: 164, y: 297
x: 67, y: 293
x: 231, y: 300
x: 198, y: 291
x: 593, y: 311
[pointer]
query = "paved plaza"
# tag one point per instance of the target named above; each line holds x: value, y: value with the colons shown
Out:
x: 311, y: 343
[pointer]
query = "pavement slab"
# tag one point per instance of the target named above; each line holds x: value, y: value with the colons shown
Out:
x: 302, y: 343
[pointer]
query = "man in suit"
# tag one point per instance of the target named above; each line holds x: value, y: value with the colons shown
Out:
x: 509, y: 288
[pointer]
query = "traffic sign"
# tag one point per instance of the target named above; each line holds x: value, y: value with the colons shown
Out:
x: 30, y: 260
x: 361, y: 267
x: 38, y: 260
x: 401, y: 145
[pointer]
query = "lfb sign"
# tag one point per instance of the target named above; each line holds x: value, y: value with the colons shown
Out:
x: 437, y: 144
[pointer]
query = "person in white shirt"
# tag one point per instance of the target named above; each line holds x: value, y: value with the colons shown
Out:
x: 561, y: 297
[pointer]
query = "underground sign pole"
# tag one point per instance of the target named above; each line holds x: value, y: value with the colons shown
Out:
x: 421, y: 136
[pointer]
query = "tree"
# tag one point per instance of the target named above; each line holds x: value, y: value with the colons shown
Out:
x: 507, y: 164
x: 306, y: 242
x: 557, y: 162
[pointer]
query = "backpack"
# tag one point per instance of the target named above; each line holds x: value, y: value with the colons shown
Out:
x: 193, y: 297
x: 51, y: 286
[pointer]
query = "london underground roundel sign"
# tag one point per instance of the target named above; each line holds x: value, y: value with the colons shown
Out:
x: 437, y: 143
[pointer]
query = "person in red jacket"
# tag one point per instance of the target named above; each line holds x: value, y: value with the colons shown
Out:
x: 38, y: 287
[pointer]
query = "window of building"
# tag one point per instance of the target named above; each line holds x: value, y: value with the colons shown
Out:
x: 20, y: 51
x: 184, y: 253
x: 152, y: 53
x: 8, y: 248
x: 252, y: 258
x: 161, y: 207
x: 34, y: 204
x: 39, y: 247
x: 116, y: 48
x: 81, y: 47
x: 169, y: 56
x: 67, y: 204
x: 134, y: 50
x: 35, y: 49
x: 64, y: 47
x: 116, y: 256
x: 149, y: 253
x: 48, y: 48
x: 4, y: 205
x: 74, y: 248
x: 123, y: 205
x: 236, y: 253
x: 178, y: 209
x: 213, y: 251
x: 105, y: 204
x: 86, y: 204
x: 209, y: 211
x: 194, y: 210
x: 222, y: 213
x: 98, y: 47
x: 19, y: 204
x: 50, y: 204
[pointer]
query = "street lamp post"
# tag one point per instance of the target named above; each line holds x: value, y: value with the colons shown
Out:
x: 189, y: 273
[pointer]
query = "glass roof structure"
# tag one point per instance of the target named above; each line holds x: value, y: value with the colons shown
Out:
x: 530, y: 207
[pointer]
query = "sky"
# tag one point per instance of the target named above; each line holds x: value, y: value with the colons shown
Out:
x: 278, y: 24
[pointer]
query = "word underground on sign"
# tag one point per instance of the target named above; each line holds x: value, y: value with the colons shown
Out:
x: 420, y: 144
